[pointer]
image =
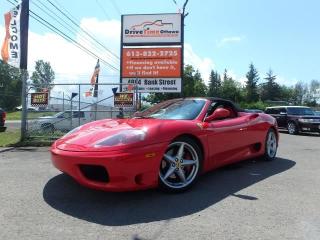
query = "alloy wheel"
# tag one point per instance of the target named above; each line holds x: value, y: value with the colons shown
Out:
x: 291, y: 128
x: 179, y: 166
x: 271, y: 144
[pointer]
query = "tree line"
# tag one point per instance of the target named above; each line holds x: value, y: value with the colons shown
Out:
x: 256, y: 92
x: 11, y: 84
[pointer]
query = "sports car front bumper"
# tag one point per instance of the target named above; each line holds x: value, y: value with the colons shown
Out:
x: 126, y: 170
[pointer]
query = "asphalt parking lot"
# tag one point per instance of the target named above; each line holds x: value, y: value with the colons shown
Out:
x: 251, y: 200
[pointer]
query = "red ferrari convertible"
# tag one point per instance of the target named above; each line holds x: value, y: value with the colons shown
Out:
x: 167, y: 146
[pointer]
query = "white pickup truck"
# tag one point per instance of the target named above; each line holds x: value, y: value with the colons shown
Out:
x: 61, y: 121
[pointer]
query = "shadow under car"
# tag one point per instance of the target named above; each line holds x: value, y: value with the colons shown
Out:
x: 117, y: 209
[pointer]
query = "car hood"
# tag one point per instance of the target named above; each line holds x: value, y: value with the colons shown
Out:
x: 90, y: 134
x: 47, y: 117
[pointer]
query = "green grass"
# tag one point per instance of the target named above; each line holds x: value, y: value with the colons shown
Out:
x: 17, y: 115
x: 9, y: 138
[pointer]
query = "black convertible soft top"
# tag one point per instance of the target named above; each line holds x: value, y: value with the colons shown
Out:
x: 226, y: 102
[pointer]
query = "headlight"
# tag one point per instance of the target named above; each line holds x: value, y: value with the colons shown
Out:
x: 306, y: 120
x: 72, y: 131
x: 122, y: 138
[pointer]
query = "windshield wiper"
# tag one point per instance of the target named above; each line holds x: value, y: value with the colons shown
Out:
x: 143, y: 117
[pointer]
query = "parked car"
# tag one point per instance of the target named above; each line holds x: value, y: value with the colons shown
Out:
x: 61, y: 121
x: 253, y: 110
x: 30, y: 109
x: 3, y: 115
x: 295, y: 118
x: 168, y: 145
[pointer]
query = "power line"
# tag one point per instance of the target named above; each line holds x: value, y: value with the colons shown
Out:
x: 114, y: 4
x: 68, y: 27
x: 103, y: 10
x: 82, y: 29
x: 65, y: 36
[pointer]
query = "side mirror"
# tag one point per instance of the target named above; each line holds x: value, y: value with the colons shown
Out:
x: 219, y: 113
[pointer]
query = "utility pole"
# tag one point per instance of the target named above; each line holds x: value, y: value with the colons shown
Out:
x: 184, y: 15
x: 184, y: 9
x: 24, y: 96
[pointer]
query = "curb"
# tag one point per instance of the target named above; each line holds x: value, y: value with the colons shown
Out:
x: 6, y: 149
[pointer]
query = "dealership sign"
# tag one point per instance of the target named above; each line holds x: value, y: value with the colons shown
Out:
x: 152, y: 52
x: 39, y: 99
x: 151, y: 28
x: 148, y: 85
x: 123, y: 99
x: 151, y: 62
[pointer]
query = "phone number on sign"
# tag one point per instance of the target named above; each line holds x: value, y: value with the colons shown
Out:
x: 152, y: 53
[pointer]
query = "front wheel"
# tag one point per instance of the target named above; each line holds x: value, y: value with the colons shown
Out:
x: 180, y: 165
x: 271, y: 145
x: 292, y: 128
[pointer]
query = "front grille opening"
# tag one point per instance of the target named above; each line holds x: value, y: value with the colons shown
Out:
x: 94, y: 173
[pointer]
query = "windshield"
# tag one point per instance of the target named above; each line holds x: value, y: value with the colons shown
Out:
x: 183, y: 109
x: 300, y: 111
x: 62, y: 115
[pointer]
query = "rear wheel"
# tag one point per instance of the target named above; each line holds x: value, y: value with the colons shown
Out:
x: 292, y: 128
x: 180, y: 165
x: 271, y: 145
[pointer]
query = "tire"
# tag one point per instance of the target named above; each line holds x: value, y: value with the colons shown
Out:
x: 292, y: 128
x: 180, y: 166
x: 271, y: 146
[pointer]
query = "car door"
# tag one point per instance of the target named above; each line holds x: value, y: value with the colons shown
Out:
x: 75, y: 119
x: 282, y: 117
x: 226, y: 140
x: 63, y: 122
x: 280, y: 114
x: 79, y: 118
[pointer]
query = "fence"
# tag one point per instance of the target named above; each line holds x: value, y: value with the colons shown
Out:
x: 68, y: 107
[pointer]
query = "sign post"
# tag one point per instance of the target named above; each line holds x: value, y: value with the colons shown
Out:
x: 24, y: 78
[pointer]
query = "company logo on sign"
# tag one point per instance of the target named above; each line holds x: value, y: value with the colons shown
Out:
x: 159, y: 28
x: 156, y: 28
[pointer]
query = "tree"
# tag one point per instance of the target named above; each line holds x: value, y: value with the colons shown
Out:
x: 314, y: 86
x: 287, y: 93
x: 11, y: 84
x: 230, y: 89
x: 192, y: 86
x: 270, y: 90
x: 300, y: 89
x: 43, y: 76
x: 310, y: 97
x: 214, y: 89
x: 251, y: 86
